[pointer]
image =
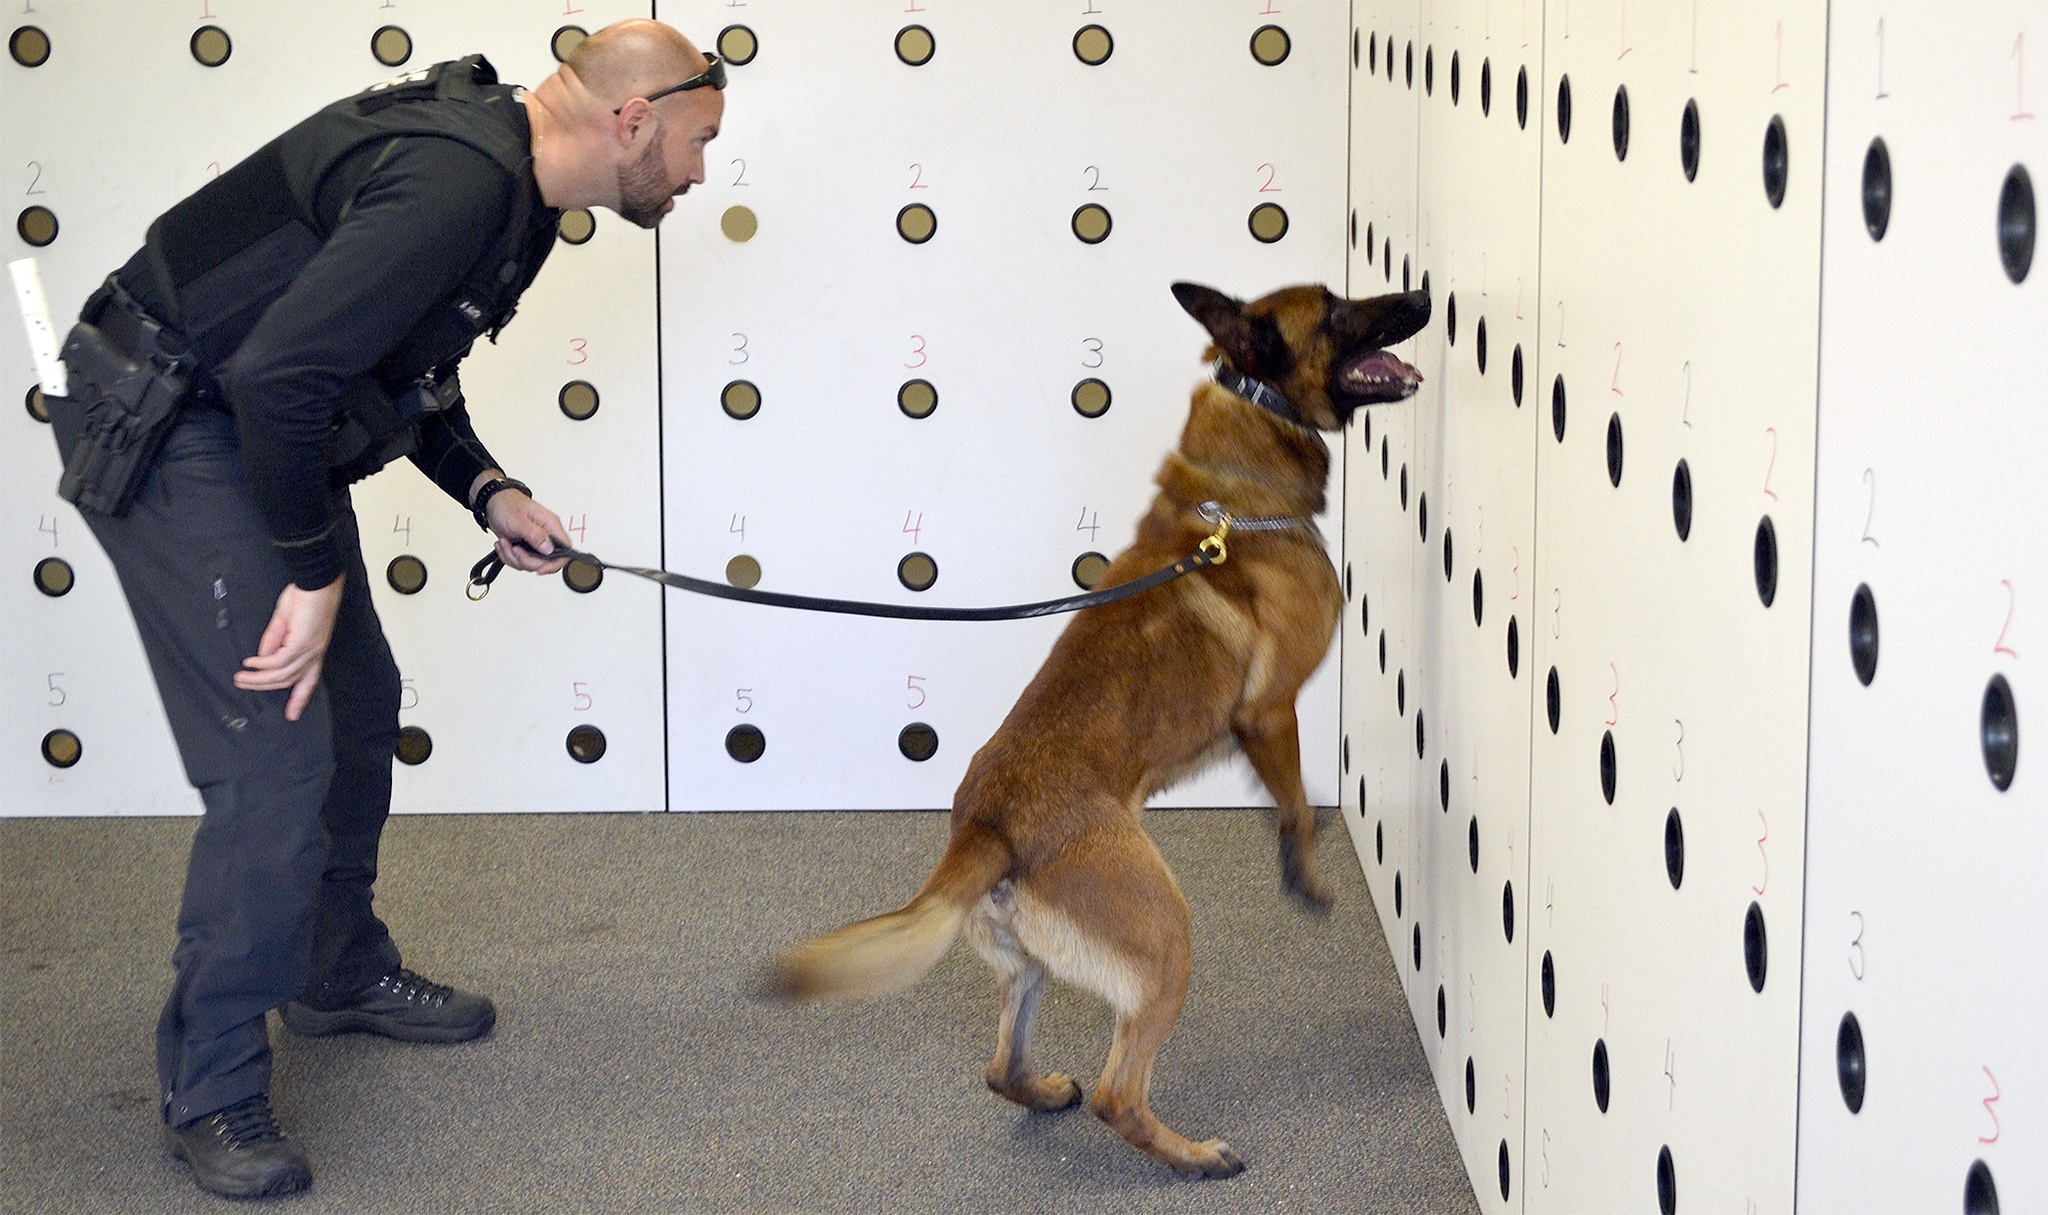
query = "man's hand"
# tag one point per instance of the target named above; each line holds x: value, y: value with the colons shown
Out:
x: 293, y: 646
x: 514, y: 516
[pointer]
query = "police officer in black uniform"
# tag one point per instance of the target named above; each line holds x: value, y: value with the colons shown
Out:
x: 288, y: 329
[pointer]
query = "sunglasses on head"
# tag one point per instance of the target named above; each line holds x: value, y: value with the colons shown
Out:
x: 712, y: 77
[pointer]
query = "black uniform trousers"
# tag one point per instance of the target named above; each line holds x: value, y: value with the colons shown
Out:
x: 278, y: 890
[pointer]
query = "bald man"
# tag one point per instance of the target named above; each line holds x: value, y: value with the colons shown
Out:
x: 304, y: 316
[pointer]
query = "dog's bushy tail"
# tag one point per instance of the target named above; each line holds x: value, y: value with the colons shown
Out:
x: 891, y: 952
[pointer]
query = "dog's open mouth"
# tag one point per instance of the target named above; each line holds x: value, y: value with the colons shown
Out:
x: 1378, y: 376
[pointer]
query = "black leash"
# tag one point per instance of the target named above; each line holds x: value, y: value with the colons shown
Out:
x: 1210, y: 552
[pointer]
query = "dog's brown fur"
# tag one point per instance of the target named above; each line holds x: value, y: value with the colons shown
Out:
x: 1049, y: 870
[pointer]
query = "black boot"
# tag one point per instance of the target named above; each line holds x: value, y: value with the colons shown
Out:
x: 400, y: 1005
x: 240, y: 1152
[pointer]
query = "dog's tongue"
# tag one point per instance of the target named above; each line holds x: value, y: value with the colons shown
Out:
x: 1381, y: 372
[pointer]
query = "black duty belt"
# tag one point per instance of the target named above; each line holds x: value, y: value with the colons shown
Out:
x: 1210, y: 552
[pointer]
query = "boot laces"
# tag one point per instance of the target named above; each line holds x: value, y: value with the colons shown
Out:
x: 414, y: 988
x: 247, y: 1124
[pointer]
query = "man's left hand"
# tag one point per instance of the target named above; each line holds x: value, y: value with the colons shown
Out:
x: 514, y: 516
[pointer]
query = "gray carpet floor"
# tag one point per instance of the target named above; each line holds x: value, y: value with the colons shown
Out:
x: 632, y: 1070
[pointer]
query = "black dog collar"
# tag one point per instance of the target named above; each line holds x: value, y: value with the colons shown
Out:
x: 1258, y: 392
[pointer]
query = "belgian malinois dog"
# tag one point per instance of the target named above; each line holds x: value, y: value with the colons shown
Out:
x: 1048, y: 869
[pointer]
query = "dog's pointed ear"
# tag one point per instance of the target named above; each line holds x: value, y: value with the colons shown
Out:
x: 1245, y: 341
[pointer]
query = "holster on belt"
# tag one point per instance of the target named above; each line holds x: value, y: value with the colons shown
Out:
x: 130, y: 374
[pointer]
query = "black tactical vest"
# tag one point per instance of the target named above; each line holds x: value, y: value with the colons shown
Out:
x: 224, y: 255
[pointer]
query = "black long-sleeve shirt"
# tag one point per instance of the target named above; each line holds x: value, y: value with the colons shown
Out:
x: 404, y: 220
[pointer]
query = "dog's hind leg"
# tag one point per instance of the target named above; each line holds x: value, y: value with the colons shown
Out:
x: 1112, y: 921
x: 1272, y: 741
x: 1022, y: 978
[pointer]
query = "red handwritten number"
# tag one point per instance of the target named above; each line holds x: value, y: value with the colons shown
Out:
x: 1516, y: 597
x: 1613, y: 701
x: 582, y: 697
x: 1614, y: 385
x: 1271, y: 174
x: 1988, y: 1103
x: 576, y: 524
x: 579, y: 351
x: 912, y: 683
x: 918, y: 351
x: 2012, y: 604
x: 1782, y: 84
x: 214, y: 165
x: 917, y: 177
x: 1773, y: 467
x: 913, y: 530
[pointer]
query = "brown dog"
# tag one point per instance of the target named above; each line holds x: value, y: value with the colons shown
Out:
x: 1049, y: 870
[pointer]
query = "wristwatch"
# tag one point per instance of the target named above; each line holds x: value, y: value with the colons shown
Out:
x: 490, y: 489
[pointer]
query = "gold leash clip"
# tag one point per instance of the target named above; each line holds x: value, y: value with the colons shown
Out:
x: 1213, y: 547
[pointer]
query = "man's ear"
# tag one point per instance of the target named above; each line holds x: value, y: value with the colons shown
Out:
x: 1250, y: 344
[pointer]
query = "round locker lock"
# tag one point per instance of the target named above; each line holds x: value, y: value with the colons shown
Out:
x: 1472, y: 842
x: 576, y: 227
x: 1681, y: 501
x: 37, y: 405
x: 2016, y: 223
x: 1454, y: 77
x: 740, y: 399
x: 1379, y: 829
x: 1777, y: 161
x: 1091, y: 223
x: 1089, y: 569
x: 1564, y: 109
x: 1765, y: 559
x: 917, y: 571
x: 1478, y: 599
x: 1091, y: 398
x: 1621, y: 122
x: 1522, y: 98
x: 1479, y: 340
x: 1863, y: 634
x: 1515, y: 375
x: 1689, y: 140
x: 1093, y: 45
x: 36, y: 226
x: 1980, y: 1192
x: 62, y: 749
x: 745, y: 743
x: 1270, y: 45
x: 586, y: 744
x: 916, y: 223
x: 739, y: 224
x: 1397, y: 895
x: 1614, y: 450
x: 1549, y: 985
x: 1416, y: 938
x: 1502, y: 1166
x: 1442, y: 1012
x: 414, y: 746
x: 1429, y: 71
x: 1450, y: 313
x: 1877, y: 189
x: 1667, y: 1183
x: 1485, y: 88
x: 1850, y: 1062
x: 1674, y: 848
x: 211, y: 45
x: 915, y: 45
x: 1553, y: 700
x: 390, y: 45
x: 1600, y: 1075
x: 2000, y: 726
x: 54, y: 577
x: 1557, y: 407
x: 1607, y: 766
x: 1756, y: 954
x: 1514, y: 649
x: 743, y: 572
x: 407, y: 574
x: 1408, y: 65
x: 29, y: 46
x: 738, y: 45
x: 918, y: 742
x: 1507, y: 911
x: 917, y: 399
x: 578, y: 400
x: 1268, y: 222
x: 565, y: 40
x: 582, y: 576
